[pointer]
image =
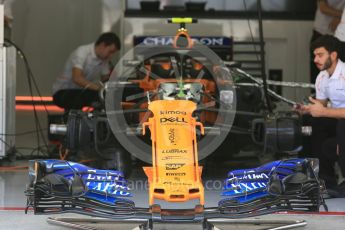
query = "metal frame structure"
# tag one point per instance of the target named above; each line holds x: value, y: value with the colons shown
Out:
x: 7, y: 93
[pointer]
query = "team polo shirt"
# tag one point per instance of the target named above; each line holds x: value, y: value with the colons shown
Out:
x: 84, y: 58
x: 332, y: 88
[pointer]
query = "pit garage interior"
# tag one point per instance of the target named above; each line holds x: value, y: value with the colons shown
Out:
x: 264, y: 45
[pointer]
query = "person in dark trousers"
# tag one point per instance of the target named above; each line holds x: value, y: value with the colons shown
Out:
x: 328, y: 111
x: 85, y: 70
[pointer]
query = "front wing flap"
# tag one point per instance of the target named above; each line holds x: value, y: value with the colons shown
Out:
x: 286, y: 185
x: 61, y: 186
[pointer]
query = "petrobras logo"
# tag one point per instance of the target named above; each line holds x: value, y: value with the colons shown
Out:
x: 108, y: 188
x: 167, y: 112
x: 238, y: 188
x: 173, y: 120
x: 178, y: 151
x: 96, y: 173
x: 166, y: 41
x: 92, y: 177
x: 173, y: 166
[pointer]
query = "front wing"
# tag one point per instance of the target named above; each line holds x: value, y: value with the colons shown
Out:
x: 57, y: 186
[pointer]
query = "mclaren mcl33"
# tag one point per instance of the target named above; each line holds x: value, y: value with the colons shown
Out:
x: 187, y: 117
x: 58, y: 186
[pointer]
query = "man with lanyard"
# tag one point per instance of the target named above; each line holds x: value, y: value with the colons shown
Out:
x: 85, y: 70
x: 328, y: 138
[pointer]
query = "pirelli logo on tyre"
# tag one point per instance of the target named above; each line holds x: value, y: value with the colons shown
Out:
x: 173, y: 166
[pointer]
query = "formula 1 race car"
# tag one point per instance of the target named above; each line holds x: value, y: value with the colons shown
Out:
x: 188, y: 117
x: 58, y: 186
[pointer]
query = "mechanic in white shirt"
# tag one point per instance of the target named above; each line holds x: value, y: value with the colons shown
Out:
x: 84, y: 71
x: 327, y: 18
x: 328, y: 137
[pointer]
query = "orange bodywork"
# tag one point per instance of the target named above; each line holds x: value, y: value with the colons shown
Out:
x: 175, y: 175
x: 148, y: 84
x: 183, y: 33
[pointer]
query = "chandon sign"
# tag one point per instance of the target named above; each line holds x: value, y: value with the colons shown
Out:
x: 166, y: 41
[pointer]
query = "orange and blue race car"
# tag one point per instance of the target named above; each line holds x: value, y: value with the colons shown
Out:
x: 171, y: 117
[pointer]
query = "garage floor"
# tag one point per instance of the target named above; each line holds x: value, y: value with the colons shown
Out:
x: 12, y: 204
